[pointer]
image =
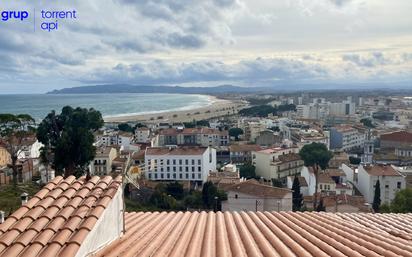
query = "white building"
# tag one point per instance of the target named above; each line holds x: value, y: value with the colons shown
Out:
x: 188, y: 163
x: 102, y: 163
x: 346, y: 138
x: 142, y: 135
x: 192, y: 137
x: 112, y: 138
x: 250, y: 195
x: 304, y: 137
x: 330, y: 181
x: 342, y: 109
x: 277, y: 163
x: 390, y: 179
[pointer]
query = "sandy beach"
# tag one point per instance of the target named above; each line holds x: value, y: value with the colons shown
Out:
x: 217, y: 108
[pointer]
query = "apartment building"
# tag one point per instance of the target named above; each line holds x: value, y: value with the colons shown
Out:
x: 277, y: 163
x: 390, y: 179
x: 142, y: 135
x: 240, y: 154
x: 192, y: 137
x: 103, y: 161
x: 399, y: 139
x: 113, y: 138
x: 184, y: 163
x: 307, y: 136
x: 346, y: 137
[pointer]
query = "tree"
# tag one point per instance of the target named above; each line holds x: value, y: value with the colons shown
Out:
x: 163, y: 201
x: 247, y: 171
x: 377, y: 197
x: 367, y: 123
x: 403, y: 201
x: 235, y: 132
x: 354, y: 160
x: 175, y: 189
x: 209, y: 193
x: 69, y: 138
x: 125, y: 127
x: 297, y: 196
x: 14, y: 129
x: 316, y: 156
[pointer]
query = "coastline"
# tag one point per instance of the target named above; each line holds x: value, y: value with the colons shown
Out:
x: 216, y: 108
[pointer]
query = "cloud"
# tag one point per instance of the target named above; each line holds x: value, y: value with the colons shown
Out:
x: 248, y: 42
x: 369, y: 60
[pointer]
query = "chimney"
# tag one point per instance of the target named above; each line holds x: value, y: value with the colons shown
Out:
x: 24, y: 198
x: 2, y: 214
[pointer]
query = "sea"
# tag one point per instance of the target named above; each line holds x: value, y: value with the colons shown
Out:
x: 110, y: 105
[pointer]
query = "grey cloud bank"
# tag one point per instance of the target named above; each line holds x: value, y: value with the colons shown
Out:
x: 211, y: 42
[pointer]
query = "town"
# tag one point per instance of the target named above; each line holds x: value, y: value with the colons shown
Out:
x: 260, y: 147
x: 283, y: 153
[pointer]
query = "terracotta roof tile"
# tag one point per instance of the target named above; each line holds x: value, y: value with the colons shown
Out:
x: 58, y: 218
x: 244, y: 234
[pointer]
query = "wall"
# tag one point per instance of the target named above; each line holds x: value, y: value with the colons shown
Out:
x: 246, y: 202
x: 108, y: 228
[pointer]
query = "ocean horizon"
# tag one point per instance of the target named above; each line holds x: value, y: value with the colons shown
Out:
x: 110, y: 105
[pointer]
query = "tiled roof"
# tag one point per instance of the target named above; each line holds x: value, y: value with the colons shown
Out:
x: 335, y: 172
x: 182, y: 150
x: 58, y: 218
x: 244, y: 148
x: 263, y: 234
x: 253, y: 187
x: 325, y: 178
x: 302, y: 180
x: 400, y: 136
x: 381, y: 170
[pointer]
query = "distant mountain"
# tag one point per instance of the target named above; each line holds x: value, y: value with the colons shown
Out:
x: 119, y: 88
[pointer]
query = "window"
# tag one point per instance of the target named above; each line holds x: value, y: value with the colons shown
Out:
x: 174, y: 175
x: 180, y: 168
x: 199, y: 162
x: 187, y: 162
x: 386, y: 186
x: 155, y: 176
x: 199, y: 169
x: 193, y: 162
x: 187, y: 169
x: 199, y: 176
x: 236, y: 196
x: 168, y: 162
x: 168, y: 175
x: 174, y: 168
x: 187, y: 176
x: 161, y: 176
x: 180, y: 162
x: 174, y: 162
x: 180, y: 176
x: 193, y: 169
x: 193, y: 176
x: 399, y: 185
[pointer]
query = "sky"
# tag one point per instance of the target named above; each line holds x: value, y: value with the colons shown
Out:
x: 254, y: 43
